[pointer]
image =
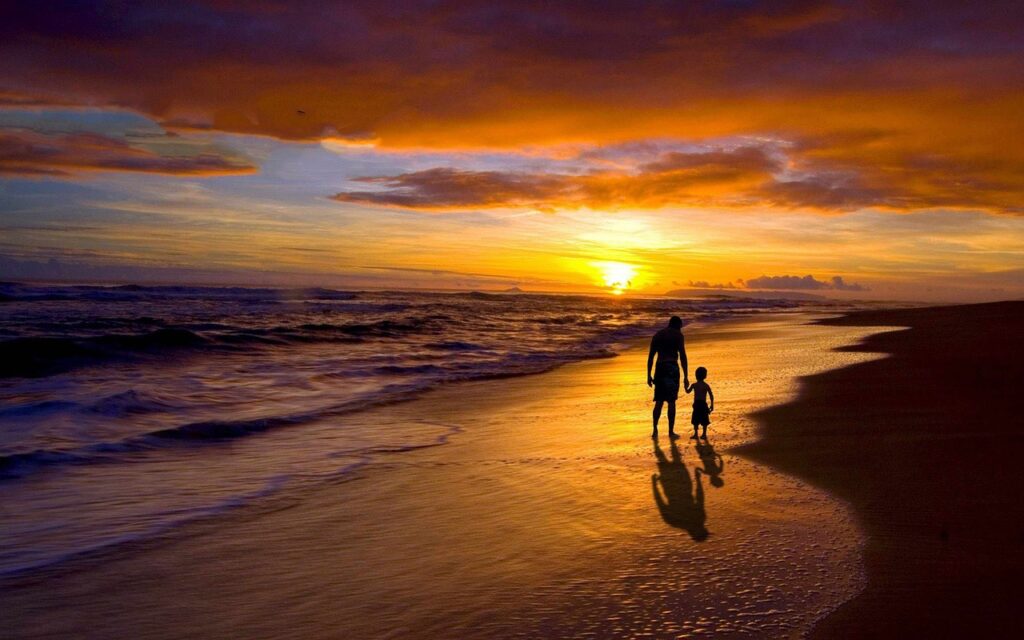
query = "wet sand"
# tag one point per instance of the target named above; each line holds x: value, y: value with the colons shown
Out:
x: 927, y: 446
x: 549, y: 513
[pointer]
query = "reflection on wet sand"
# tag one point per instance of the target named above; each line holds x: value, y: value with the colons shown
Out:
x: 679, y: 499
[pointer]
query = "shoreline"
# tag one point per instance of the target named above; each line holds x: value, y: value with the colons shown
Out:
x: 924, y: 445
x: 536, y: 519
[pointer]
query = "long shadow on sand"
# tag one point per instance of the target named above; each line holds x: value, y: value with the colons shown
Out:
x: 713, y: 463
x: 680, y: 500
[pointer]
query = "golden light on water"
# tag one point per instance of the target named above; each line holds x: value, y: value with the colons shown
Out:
x: 617, y: 276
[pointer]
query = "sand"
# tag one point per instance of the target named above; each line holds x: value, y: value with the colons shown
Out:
x: 927, y: 446
x: 550, y: 512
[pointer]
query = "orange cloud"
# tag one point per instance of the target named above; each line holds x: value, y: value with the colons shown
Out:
x: 749, y: 176
x: 676, y: 178
x: 936, y: 84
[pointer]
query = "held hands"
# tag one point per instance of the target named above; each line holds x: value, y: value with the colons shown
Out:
x: 650, y: 381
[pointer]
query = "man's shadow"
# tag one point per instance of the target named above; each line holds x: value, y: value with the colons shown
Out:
x: 680, y: 504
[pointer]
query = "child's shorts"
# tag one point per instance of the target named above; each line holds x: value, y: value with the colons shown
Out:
x: 701, y: 415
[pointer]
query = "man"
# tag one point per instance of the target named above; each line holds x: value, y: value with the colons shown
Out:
x: 668, y: 344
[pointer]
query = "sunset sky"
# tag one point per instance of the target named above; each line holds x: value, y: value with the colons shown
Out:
x: 868, y: 150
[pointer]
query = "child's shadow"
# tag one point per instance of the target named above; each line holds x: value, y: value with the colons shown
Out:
x: 680, y: 504
x: 713, y: 463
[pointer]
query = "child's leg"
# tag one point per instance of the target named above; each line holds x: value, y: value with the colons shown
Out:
x: 656, y: 415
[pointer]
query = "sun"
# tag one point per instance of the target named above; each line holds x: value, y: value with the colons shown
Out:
x: 617, y: 276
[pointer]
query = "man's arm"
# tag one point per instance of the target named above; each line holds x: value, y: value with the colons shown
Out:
x: 682, y: 359
x: 650, y: 363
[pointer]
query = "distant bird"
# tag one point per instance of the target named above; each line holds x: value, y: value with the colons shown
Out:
x: 300, y: 112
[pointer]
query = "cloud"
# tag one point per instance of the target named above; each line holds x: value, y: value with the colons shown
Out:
x: 786, y: 282
x: 444, y: 188
x: 709, y: 177
x: 900, y: 109
x: 704, y: 284
x: 839, y: 285
x: 31, y: 154
x: 804, y: 283
x: 448, y: 272
x: 749, y: 174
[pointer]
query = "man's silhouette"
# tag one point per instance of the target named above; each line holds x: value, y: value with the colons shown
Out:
x: 668, y: 344
x: 680, y: 500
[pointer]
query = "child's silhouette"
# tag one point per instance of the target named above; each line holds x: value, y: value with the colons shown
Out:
x: 701, y: 410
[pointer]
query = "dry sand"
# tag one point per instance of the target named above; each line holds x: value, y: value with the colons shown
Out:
x: 927, y: 446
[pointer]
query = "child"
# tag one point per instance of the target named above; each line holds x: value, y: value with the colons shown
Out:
x: 701, y: 411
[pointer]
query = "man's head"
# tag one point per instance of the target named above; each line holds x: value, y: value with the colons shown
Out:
x: 675, y: 322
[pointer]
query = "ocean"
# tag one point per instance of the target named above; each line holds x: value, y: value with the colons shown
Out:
x: 127, y: 411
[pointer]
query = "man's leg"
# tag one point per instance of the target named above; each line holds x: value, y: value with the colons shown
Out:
x: 657, y: 416
x: 671, y: 417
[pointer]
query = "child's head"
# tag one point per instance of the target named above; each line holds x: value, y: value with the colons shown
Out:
x: 701, y: 373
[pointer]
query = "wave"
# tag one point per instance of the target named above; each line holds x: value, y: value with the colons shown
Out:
x: 170, y: 519
x: 12, y: 291
x: 40, y: 356
x: 129, y: 403
x: 37, y: 408
x: 424, y: 378
x: 330, y: 294
x: 455, y: 345
x: 32, y: 357
x: 174, y: 520
x: 407, y: 370
x: 19, y: 465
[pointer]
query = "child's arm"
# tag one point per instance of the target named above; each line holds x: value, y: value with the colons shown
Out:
x: 688, y: 387
x: 711, y: 395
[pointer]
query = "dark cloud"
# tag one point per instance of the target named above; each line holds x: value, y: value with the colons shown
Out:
x: 28, y: 154
x: 704, y: 284
x: 827, y: 191
x: 786, y: 282
x: 804, y: 283
x: 839, y: 285
x: 444, y: 188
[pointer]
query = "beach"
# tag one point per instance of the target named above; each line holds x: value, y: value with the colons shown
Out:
x: 834, y: 498
x: 926, y: 446
x: 546, y: 512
